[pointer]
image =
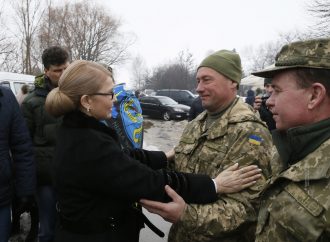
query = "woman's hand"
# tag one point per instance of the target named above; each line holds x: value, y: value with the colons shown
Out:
x: 235, y: 179
x: 170, y: 154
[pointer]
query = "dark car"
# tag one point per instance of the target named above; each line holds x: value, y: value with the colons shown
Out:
x: 181, y: 96
x: 163, y: 107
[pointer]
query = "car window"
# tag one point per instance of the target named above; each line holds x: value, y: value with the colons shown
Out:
x: 175, y: 95
x: 155, y: 101
x: 162, y: 93
x: 184, y: 95
x: 5, y: 84
x: 147, y: 100
x: 167, y: 101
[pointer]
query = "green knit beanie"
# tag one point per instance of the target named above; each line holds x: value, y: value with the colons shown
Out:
x: 226, y: 62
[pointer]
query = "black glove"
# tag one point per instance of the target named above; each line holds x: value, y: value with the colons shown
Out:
x: 25, y: 204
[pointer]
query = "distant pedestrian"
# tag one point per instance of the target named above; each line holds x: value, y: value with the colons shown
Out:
x: 260, y: 105
x: 250, y: 97
x: 22, y: 94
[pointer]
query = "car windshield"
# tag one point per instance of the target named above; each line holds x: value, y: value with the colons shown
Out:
x: 167, y: 101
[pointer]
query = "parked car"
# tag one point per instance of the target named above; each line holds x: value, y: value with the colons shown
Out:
x: 15, y: 81
x: 163, y: 107
x: 181, y: 96
x: 149, y: 92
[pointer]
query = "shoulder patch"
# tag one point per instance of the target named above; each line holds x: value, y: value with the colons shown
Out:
x: 254, y: 139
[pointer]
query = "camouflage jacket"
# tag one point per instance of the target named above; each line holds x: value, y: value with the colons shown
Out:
x: 296, y: 204
x: 237, y: 136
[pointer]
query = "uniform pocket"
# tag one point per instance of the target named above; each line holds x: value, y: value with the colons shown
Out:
x: 183, y: 154
x: 212, y: 158
x: 298, y: 213
x: 185, y: 148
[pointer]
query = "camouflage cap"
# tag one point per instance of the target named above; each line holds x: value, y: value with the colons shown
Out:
x: 313, y: 53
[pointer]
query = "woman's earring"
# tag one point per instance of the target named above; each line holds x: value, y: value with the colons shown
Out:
x: 88, y: 109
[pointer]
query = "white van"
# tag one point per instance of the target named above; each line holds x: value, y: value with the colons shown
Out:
x: 14, y: 81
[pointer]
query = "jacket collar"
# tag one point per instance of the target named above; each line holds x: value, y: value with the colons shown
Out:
x: 77, y: 119
x: 237, y: 112
x: 42, y: 85
x: 300, y: 148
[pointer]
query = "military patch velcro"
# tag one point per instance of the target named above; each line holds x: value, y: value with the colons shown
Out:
x: 309, y: 203
x: 254, y: 139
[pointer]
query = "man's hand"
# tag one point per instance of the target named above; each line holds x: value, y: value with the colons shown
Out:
x: 234, y: 179
x: 257, y: 103
x: 171, y: 211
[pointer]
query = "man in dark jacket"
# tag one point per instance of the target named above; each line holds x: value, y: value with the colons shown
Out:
x: 42, y: 129
x: 260, y: 105
x: 17, y: 167
x: 250, y: 97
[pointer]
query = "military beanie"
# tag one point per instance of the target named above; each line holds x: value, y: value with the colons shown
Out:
x: 226, y: 62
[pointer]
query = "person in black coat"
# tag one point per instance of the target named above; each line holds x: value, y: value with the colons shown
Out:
x: 97, y: 183
x: 250, y: 97
x: 260, y: 105
x: 17, y: 167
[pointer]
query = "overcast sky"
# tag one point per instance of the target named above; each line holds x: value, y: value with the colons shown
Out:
x: 164, y: 28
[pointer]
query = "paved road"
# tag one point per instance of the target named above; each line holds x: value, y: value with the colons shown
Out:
x: 161, y: 135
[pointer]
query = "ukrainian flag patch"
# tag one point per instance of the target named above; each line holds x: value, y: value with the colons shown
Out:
x: 254, y: 139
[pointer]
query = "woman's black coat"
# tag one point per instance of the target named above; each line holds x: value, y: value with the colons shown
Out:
x: 97, y: 181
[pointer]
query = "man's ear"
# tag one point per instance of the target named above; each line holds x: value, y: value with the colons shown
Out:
x: 317, y: 95
x: 234, y: 84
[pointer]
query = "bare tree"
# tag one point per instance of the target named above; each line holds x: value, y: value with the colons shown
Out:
x: 28, y: 15
x: 8, y: 53
x: 87, y: 31
x: 187, y: 69
x: 138, y: 70
x: 177, y: 74
x: 260, y: 57
x: 320, y: 9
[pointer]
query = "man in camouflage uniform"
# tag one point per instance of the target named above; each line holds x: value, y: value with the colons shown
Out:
x: 42, y: 130
x: 227, y: 132
x: 296, y: 204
